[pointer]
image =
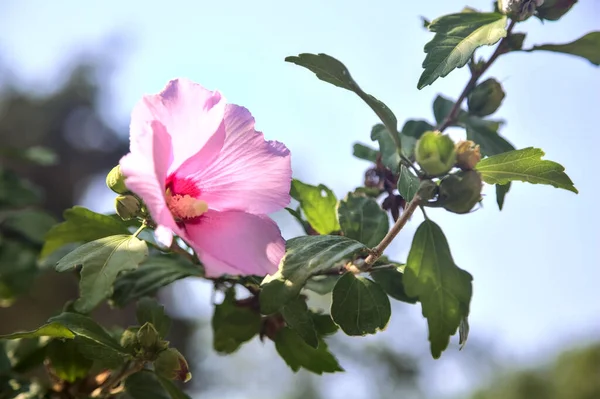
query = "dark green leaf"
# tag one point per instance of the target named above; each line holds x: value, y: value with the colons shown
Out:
x: 16, y: 191
x: 102, y: 261
x: 233, y: 324
x: 145, y: 385
x: 391, y: 282
x: 321, y: 284
x: 442, y: 107
x: 514, y: 42
x: 154, y: 273
x: 299, y: 318
x: 359, y: 306
x: 443, y: 289
x: 553, y: 10
x: 485, y: 133
x: 81, y: 225
x: 26, y: 354
x: 318, y: 204
x: 305, y: 257
x: 367, y: 153
x: 362, y: 219
x: 30, y: 223
x: 18, y: 269
x: 587, y: 47
x: 524, y: 165
x: 296, y: 353
x: 150, y: 311
x: 324, y: 324
x: 463, y: 332
x: 457, y: 37
x: 172, y: 389
x: 408, y: 184
x: 5, y: 364
x: 66, y: 361
x: 501, y: 191
x: 390, y: 156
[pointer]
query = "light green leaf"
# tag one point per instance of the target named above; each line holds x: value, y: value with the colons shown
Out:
x: 304, y: 257
x: 296, y: 353
x: 408, y: 184
x: 391, y: 281
x: 443, y: 289
x: 318, y: 204
x: 524, y: 165
x: 587, y: 47
x: 102, y: 261
x: 66, y: 361
x: 150, y: 311
x: 233, y: 324
x: 485, y: 133
x: 390, y: 156
x: 30, y: 223
x: 457, y: 37
x: 362, y: 219
x: 410, y: 134
x: 501, y: 191
x: 81, y: 225
x: 299, y: 318
x: 359, y: 306
x: 56, y: 330
x: 365, y: 152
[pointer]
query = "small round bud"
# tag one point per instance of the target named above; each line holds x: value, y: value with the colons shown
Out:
x: 115, y: 180
x: 460, y: 192
x: 486, y: 98
x: 129, y: 339
x: 172, y: 365
x: 148, y: 337
x: 435, y: 153
x: 127, y: 206
x: 427, y: 190
x: 467, y: 155
x: 519, y: 10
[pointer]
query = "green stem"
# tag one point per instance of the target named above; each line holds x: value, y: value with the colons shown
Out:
x: 138, y: 231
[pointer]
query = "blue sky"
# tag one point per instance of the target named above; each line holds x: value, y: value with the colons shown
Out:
x: 536, y: 264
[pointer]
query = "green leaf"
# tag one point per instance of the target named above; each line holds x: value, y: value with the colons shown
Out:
x: 146, y: 385
x: 524, y: 165
x: 457, y: 37
x: 330, y: 70
x: 324, y: 324
x: 443, y: 289
x: 553, y: 10
x: 322, y: 285
x: 362, y: 219
x: 304, y: 257
x: 501, y: 191
x: 150, y: 311
x: 318, y: 204
x: 18, y: 269
x: 411, y: 132
x: 587, y: 47
x: 365, y: 152
x: 296, y: 353
x: 233, y: 324
x: 359, y: 306
x: 408, y: 184
x: 21, y: 388
x: 81, y: 225
x: 30, y: 223
x: 5, y: 364
x: 172, y: 389
x: 66, y: 361
x: 442, y: 107
x: 154, y: 273
x: 102, y: 261
x: 26, y: 354
x: 56, y: 330
x: 299, y: 318
x: 391, y: 281
x: 390, y: 156
x: 17, y: 191
x: 485, y: 133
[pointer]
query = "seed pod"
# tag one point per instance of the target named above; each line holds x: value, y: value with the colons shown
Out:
x: 486, y: 98
x: 172, y: 365
x: 460, y: 192
x: 435, y: 153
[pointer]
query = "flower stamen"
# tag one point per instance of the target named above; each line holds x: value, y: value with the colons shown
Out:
x: 185, y: 206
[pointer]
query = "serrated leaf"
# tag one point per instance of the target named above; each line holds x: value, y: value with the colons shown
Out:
x: 390, y: 156
x: 587, y: 47
x: 66, y: 361
x: 365, y: 152
x: 359, y: 306
x: 330, y: 70
x: 442, y: 107
x: 408, y: 184
x: 501, y: 191
x: 391, y: 281
x: 150, y: 311
x: 102, y: 261
x: 304, y: 257
x: 457, y: 37
x: 485, y: 133
x: 443, y: 289
x: 81, y: 225
x: 362, y: 219
x: 152, y: 274
x: 524, y: 165
x: 299, y: 318
x: 553, y: 10
x: 318, y: 204
x: 296, y: 353
x: 31, y: 223
x: 233, y: 324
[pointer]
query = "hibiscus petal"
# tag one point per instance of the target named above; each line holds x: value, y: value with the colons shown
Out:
x: 236, y: 243
x: 249, y: 173
x: 190, y: 113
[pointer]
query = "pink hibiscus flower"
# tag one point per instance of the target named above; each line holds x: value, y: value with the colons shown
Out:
x: 208, y: 177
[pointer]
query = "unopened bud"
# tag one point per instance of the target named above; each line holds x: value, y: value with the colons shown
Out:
x: 127, y: 206
x: 435, y: 153
x: 467, y: 155
x: 116, y: 181
x: 172, y: 365
x: 486, y: 98
x: 460, y: 192
x: 129, y: 338
x: 519, y: 10
x: 148, y: 337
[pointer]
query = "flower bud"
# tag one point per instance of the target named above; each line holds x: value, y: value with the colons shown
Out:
x: 127, y: 206
x: 519, y: 10
x: 435, y: 153
x: 486, y: 98
x: 172, y: 365
x: 467, y: 155
x: 460, y: 192
x: 148, y: 337
x: 553, y: 10
x: 115, y: 180
x: 129, y: 339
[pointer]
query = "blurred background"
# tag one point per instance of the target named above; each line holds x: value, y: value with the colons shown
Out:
x: 70, y: 72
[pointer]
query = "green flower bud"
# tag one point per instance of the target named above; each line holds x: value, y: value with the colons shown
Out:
x: 172, y: 365
x: 435, y: 153
x: 127, y: 206
x: 148, y: 337
x: 552, y: 10
x: 486, y: 98
x: 519, y: 10
x: 116, y: 181
x: 467, y: 155
x: 460, y: 192
x: 129, y: 339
